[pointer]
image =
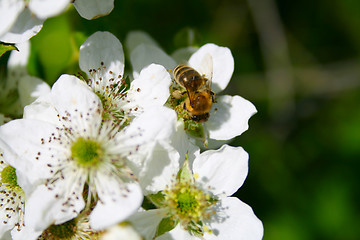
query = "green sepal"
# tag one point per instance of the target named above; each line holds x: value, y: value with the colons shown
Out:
x: 5, y: 47
x: 194, y: 129
x: 185, y: 173
x: 166, y: 225
x: 153, y: 201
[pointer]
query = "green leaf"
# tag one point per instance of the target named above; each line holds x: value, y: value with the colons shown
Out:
x: 166, y: 225
x: 5, y: 47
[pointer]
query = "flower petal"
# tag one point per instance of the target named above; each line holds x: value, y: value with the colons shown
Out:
x: 44, y: 207
x: 42, y: 109
x: 146, y: 222
x: 5, y: 227
x: 183, y: 143
x: 223, y: 170
x: 102, y: 47
x: 22, y: 147
x: 123, y: 231
x: 223, y: 64
x: 91, y: 9
x: 229, y: 117
x: 144, y: 55
x: 9, y: 11
x: 30, y: 88
x: 160, y: 167
x: 240, y: 222
x: 178, y: 233
x: 117, y: 207
x: 155, y: 123
x: 25, y: 27
x: 151, y: 88
x: 183, y: 54
x: 47, y: 8
x: 73, y: 97
x: 136, y: 38
x: 19, y: 58
x: 25, y: 233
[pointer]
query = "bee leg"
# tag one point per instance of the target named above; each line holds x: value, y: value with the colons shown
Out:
x: 212, y: 96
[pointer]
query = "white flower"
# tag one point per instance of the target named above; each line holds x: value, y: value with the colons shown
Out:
x: 22, y: 19
x: 229, y: 115
x: 197, y: 204
x: 19, y: 89
x: 102, y: 58
x: 62, y: 148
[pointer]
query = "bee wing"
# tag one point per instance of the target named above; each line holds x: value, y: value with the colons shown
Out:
x: 206, y: 68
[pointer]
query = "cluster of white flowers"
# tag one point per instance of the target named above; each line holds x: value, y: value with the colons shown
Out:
x: 108, y: 156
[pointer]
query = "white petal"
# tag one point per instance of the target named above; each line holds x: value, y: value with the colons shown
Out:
x: 156, y: 123
x: 146, y: 222
x: 229, y: 117
x: 240, y: 222
x: 5, y: 229
x: 9, y: 11
x: 121, y: 231
x: 144, y: 55
x: 112, y: 209
x: 151, y: 88
x: 91, y: 9
x: 183, y: 143
x: 19, y: 58
x: 72, y: 96
x: 223, y: 170
x: 6, y: 235
x: 136, y: 38
x: 102, y: 47
x: 183, y: 54
x: 25, y: 27
x: 30, y: 88
x: 22, y: 143
x: 43, y: 209
x: 223, y: 64
x: 178, y: 233
x: 48, y: 8
x: 42, y: 109
x: 26, y: 233
x: 160, y: 167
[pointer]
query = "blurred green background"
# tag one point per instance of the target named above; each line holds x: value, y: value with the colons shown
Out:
x: 297, y: 61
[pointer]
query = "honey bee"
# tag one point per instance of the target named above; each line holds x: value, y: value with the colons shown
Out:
x: 198, y: 89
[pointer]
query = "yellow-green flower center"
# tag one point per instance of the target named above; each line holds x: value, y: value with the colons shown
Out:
x: 86, y: 152
x: 187, y: 201
x: 8, y: 176
x: 189, y: 205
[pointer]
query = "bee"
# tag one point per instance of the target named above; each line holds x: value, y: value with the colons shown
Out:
x: 198, y: 89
